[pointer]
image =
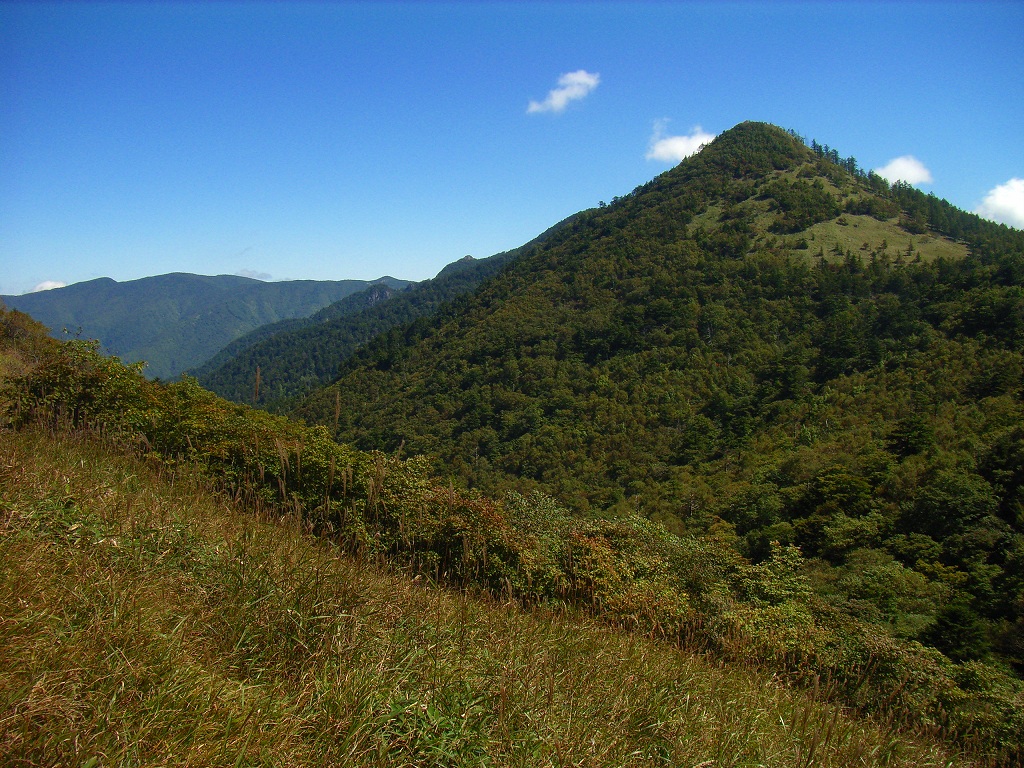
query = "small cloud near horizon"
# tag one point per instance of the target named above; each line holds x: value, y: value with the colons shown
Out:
x: 572, y: 86
x: 255, y: 275
x: 674, y: 149
x: 48, y: 285
x: 905, y: 168
x: 1004, y: 204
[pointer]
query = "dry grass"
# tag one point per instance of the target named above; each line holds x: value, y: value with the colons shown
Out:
x: 143, y: 621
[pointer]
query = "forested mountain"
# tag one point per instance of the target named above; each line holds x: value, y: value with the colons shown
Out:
x: 175, y: 322
x: 764, y: 343
x: 298, y: 357
x: 235, y: 364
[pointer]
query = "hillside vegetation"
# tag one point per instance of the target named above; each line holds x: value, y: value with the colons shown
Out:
x: 710, y: 352
x: 295, y: 330
x: 147, y: 621
x: 147, y: 617
x: 176, y: 322
x: 295, y: 360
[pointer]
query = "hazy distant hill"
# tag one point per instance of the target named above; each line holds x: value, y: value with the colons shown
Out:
x: 223, y: 364
x: 175, y: 322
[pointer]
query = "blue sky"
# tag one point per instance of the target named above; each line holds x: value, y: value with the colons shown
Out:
x: 354, y: 140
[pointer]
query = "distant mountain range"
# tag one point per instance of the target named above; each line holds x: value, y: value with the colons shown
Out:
x: 178, y: 321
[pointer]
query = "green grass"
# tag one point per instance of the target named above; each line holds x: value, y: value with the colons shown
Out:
x: 145, y: 621
x: 861, y: 235
x: 860, y: 230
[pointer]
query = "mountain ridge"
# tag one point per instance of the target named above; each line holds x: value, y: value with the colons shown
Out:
x: 178, y: 320
x: 703, y: 412
x: 296, y: 358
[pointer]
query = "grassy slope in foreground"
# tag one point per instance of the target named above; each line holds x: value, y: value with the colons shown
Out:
x: 145, y: 621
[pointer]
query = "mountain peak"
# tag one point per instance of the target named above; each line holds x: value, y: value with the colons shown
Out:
x: 753, y: 148
x: 692, y: 266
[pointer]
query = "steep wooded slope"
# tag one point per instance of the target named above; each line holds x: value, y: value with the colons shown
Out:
x: 758, y: 342
x: 297, y: 358
x: 657, y: 293
x: 177, y: 321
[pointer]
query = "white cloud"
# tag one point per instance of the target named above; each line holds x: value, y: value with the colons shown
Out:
x: 254, y: 274
x: 47, y: 285
x: 672, y: 149
x: 572, y: 86
x: 906, y: 168
x: 1005, y: 204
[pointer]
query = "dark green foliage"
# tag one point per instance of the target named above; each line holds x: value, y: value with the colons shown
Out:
x: 175, y: 322
x: 297, y: 357
x: 911, y: 435
x: 689, y: 589
x: 881, y: 208
x: 1003, y: 466
x: 958, y: 632
x: 801, y: 204
x: 667, y: 354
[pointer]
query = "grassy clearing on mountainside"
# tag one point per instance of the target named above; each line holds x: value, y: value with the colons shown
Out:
x: 860, y: 234
x: 147, y: 621
x: 850, y: 232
